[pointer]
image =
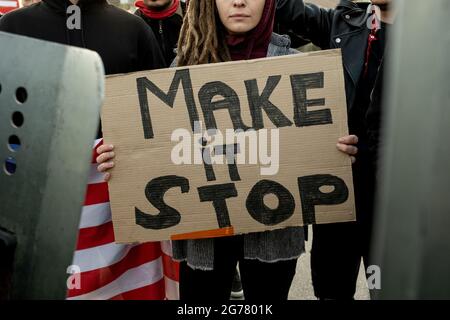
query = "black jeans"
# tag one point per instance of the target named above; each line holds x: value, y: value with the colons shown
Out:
x: 337, y: 249
x: 261, y: 281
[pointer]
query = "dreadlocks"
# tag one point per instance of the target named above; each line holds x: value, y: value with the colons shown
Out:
x: 202, y: 37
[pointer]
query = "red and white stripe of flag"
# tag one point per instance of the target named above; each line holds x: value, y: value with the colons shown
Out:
x: 116, y: 271
x: 8, y: 5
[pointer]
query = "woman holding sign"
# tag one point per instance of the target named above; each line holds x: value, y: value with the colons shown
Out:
x: 230, y: 30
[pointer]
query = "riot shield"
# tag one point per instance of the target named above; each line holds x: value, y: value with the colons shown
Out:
x: 50, y: 98
x: 412, y: 239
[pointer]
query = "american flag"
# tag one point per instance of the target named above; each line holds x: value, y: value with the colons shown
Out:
x: 118, y: 271
x: 8, y: 5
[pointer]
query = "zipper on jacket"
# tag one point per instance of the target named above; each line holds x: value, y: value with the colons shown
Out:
x: 161, y: 33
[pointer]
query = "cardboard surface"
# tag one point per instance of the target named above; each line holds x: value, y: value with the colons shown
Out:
x: 299, y: 110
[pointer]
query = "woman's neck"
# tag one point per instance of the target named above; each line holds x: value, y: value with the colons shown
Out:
x: 388, y: 15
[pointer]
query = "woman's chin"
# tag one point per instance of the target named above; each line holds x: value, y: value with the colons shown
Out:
x: 239, y: 28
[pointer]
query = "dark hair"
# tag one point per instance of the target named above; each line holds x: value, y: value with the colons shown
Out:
x: 202, y: 37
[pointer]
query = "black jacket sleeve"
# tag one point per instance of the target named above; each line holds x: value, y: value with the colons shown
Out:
x: 5, y: 25
x: 309, y: 21
x: 150, y: 55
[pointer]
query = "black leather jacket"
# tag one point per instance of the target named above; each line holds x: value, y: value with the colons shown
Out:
x: 344, y: 27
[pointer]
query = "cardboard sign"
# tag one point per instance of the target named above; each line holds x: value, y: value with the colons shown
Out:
x: 228, y: 148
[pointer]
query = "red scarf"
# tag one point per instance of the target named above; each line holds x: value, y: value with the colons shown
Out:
x: 158, y: 15
x: 255, y: 43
